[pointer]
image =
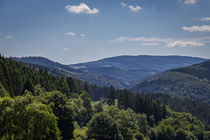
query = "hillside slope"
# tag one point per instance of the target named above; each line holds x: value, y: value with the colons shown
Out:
x: 192, y: 82
x: 134, y: 69
x: 91, y: 78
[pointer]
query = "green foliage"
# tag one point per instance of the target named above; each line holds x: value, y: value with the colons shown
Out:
x: 3, y: 91
x: 56, y: 107
x: 142, y: 104
x: 97, y: 107
x: 16, y: 78
x: 24, y: 118
x: 79, y: 133
x: 177, y: 127
x: 129, y: 122
x: 102, y: 126
x: 28, y: 86
x: 73, y: 86
x: 184, y: 135
x: 82, y: 107
x: 206, y: 135
x: 198, y: 109
x: 111, y: 96
x: 192, y: 82
x: 62, y: 108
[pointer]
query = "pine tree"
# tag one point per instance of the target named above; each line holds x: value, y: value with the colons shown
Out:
x: 28, y: 86
x: 111, y: 96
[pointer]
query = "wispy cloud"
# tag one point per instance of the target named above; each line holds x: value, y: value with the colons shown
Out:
x: 168, y: 42
x: 9, y: 37
x: 143, y: 39
x: 131, y: 7
x: 135, y: 8
x: 82, y: 35
x: 202, y: 28
x: 205, y: 19
x: 82, y: 8
x: 71, y: 34
x: 190, y: 1
x: 65, y: 49
x: 123, y: 4
x: 149, y: 44
x: 205, y: 39
x: 185, y: 44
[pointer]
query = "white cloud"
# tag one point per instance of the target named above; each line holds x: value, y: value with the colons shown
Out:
x: 65, y: 49
x: 82, y: 35
x: 205, y: 39
x: 205, y: 19
x: 143, y: 39
x: 202, y: 28
x: 123, y: 4
x: 149, y: 44
x: 185, y: 44
x: 71, y: 34
x: 135, y: 8
x: 9, y: 37
x: 82, y: 8
x: 190, y: 1
x: 168, y: 42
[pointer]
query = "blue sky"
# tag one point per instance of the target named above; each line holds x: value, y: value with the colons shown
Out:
x: 73, y: 31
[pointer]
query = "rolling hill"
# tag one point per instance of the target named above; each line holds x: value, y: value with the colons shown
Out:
x: 131, y: 70
x: 65, y: 70
x: 121, y: 72
x: 192, y: 82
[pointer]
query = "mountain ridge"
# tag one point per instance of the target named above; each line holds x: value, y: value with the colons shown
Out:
x: 192, y: 82
x: 133, y: 69
x: 121, y: 72
x: 82, y: 75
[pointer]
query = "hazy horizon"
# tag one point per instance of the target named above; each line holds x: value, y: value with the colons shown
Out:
x: 103, y: 58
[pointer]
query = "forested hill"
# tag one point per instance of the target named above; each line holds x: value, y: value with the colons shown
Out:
x: 95, y: 79
x: 202, y: 70
x: 134, y: 69
x: 37, y: 105
x: 121, y: 72
x: 146, y: 62
x: 199, y: 109
x: 192, y: 82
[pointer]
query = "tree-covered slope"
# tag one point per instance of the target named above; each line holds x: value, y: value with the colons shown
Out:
x: 192, y: 82
x: 161, y: 63
x: 37, y: 105
x: 133, y: 69
x: 15, y: 77
x: 96, y: 79
x: 199, y: 109
x: 128, y: 77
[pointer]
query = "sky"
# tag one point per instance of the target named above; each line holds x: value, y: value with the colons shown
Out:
x: 74, y: 31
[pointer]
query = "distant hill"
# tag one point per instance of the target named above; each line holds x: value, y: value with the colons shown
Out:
x: 192, y: 82
x: 121, y: 72
x: 131, y: 70
x: 65, y: 69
